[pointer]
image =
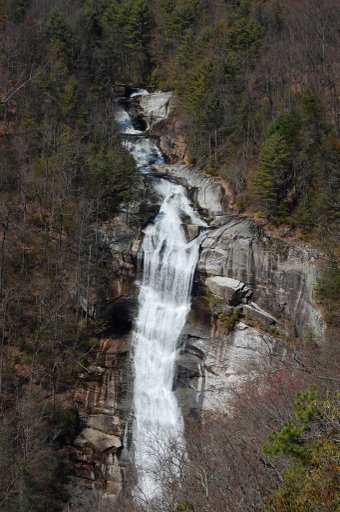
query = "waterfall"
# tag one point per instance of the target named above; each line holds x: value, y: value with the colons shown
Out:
x: 168, y: 265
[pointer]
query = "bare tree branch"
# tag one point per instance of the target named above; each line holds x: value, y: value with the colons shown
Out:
x: 20, y: 83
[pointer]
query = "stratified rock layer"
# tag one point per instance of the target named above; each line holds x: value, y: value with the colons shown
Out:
x: 103, y: 402
x: 281, y: 275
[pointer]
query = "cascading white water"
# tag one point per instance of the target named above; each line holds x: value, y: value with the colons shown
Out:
x: 144, y: 152
x: 169, y: 262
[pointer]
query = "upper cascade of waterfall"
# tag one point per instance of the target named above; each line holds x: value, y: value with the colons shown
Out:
x: 145, y: 153
x: 124, y: 122
x: 143, y: 150
x: 139, y: 92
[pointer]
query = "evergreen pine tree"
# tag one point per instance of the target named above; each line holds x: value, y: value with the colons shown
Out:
x: 270, y: 172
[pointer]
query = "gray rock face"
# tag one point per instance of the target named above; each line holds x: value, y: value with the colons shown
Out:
x: 155, y: 106
x: 97, y: 439
x: 102, y: 401
x: 229, y: 290
x: 238, y: 263
x: 253, y: 312
x: 282, y: 275
x: 191, y: 231
x: 231, y: 362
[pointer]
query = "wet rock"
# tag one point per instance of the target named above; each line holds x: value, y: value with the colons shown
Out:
x: 191, y: 231
x: 139, y: 123
x: 198, y: 324
x: 198, y: 346
x: 204, y: 190
x: 188, y: 366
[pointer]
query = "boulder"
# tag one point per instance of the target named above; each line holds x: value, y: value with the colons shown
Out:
x: 104, y: 423
x: 97, y: 439
x: 229, y: 290
x: 155, y: 106
x: 253, y: 312
x: 191, y: 231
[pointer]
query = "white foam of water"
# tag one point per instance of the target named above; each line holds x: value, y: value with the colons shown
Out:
x: 169, y: 263
x: 144, y: 152
x: 124, y: 122
x: 139, y: 92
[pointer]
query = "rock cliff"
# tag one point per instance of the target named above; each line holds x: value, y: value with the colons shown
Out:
x: 278, y: 277
x: 281, y: 275
x: 250, y: 289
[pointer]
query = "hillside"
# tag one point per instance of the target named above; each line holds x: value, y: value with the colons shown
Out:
x: 256, y: 108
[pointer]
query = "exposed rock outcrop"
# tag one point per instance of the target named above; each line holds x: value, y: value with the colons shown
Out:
x: 281, y: 275
x: 253, y: 312
x: 276, y: 295
x: 103, y: 403
x: 229, y: 290
x: 231, y: 362
x: 99, y: 440
x: 155, y: 106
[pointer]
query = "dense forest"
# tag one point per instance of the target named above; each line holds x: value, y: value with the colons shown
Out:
x: 256, y: 86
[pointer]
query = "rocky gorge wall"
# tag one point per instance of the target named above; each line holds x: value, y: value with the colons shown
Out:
x: 250, y: 290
